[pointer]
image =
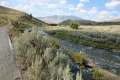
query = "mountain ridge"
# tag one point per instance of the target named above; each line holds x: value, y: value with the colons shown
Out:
x: 66, y: 20
x: 56, y: 19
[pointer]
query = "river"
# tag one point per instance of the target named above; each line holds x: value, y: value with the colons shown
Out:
x: 105, y: 59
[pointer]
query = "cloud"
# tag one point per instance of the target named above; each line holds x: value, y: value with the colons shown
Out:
x: 30, y: 5
x: 63, y: 1
x: 83, y: 10
x: 93, y: 10
x: 79, y: 8
x: 43, y: 2
x: 95, y: 14
x: 102, y: 15
x: 4, y: 3
x: 105, y: 15
x: 80, y: 5
x: 112, y: 4
x: 64, y: 7
x: 84, y: 1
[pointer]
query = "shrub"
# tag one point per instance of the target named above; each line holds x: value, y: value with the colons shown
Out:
x: 79, y: 58
x: 18, y: 28
x: 74, y: 25
x: 41, y: 60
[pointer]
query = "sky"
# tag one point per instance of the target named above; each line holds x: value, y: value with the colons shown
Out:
x: 88, y: 9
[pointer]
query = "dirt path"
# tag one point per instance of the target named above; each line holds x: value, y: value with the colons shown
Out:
x: 8, y: 69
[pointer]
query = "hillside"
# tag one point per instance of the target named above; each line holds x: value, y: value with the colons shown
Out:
x: 18, y: 21
x: 8, y: 15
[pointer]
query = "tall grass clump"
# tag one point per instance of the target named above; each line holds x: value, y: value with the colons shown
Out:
x: 101, y: 74
x: 40, y: 58
x: 97, y: 74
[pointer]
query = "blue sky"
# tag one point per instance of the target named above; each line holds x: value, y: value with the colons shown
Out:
x: 88, y: 9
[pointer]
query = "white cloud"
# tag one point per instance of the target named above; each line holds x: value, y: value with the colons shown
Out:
x: 112, y: 4
x: 4, y: 3
x: 63, y: 1
x: 102, y: 15
x: 26, y: 8
x: 43, y: 2
x: 95, y: 14
x: 63, y: 7
x: 79, y: 8
x: 83, y: 10
x: 80, y: 5
x: 93, y: 10
x: 84, y: 1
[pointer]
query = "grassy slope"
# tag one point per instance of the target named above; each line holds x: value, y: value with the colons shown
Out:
x: 8, y: 15
x: 84, y: 39
x: 18, y: 21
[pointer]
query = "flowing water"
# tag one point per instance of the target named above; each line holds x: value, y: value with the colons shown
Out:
x: 106, y: 59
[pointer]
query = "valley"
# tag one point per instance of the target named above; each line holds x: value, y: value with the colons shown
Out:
x: 58, y: 47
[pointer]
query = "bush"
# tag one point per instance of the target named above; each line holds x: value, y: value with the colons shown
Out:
x: 41, y: 60
x: 79, y: 58
x: 74, y: 25
x: 18, y: 28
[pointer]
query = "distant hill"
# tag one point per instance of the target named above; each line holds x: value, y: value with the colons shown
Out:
x: 8, y: 15
x: 89, y: 22
x: 81, y: 22
x: 115, y: 20
x: 57, y: 19
x: 66, y: 20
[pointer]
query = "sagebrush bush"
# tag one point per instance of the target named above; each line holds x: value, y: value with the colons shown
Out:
x: 40, y: 58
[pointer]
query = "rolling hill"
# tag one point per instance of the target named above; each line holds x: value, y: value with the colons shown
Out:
x: 66, y: 20
x: 8, y: 15
x: 89, y: 22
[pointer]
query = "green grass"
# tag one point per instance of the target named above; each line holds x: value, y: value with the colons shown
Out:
x: 95, y: 40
